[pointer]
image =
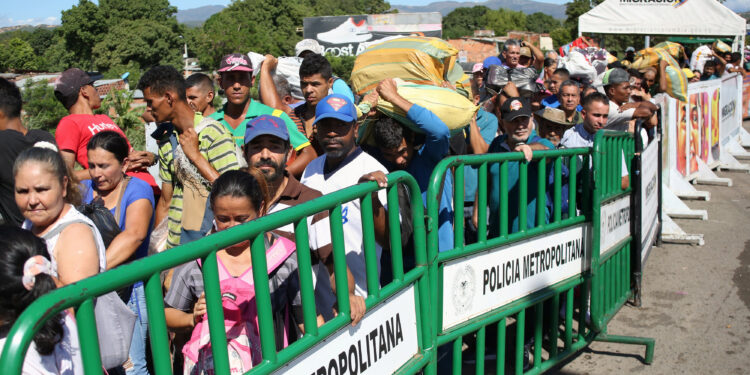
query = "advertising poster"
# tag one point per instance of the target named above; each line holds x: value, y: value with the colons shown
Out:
x: 350, y: 35
x: 746, y: 97
x: 681, y: 160
x: 705, y: 129
x: 694, y: 131
x: 714, y: 111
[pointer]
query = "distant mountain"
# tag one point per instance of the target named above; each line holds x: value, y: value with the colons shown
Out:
x: 526, y: 6
x: 25, y: 28
x: 196, y: 16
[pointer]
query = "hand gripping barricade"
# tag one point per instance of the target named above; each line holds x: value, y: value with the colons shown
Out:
x: 396, y: 310
x: 538, y: 285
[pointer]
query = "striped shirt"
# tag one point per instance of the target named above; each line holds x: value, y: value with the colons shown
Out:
x: 216, y: 145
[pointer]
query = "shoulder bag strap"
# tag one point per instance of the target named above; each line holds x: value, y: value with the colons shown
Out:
x: 119, y: 199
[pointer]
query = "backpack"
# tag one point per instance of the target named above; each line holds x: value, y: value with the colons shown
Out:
x: 240, y: 319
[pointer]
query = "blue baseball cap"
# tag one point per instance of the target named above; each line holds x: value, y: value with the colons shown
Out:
x: 335, y: 106
x: 492, y: 60
x: 266, y: 124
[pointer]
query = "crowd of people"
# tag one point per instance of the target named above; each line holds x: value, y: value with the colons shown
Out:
x: 224, y: 166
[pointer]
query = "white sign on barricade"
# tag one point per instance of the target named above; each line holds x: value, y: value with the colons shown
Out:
x: 485, y: 281
x: 381, y: 343
x: 615, y: 223
x: 649, y: 197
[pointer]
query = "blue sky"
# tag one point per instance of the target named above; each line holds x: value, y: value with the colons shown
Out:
x: 34, y: 12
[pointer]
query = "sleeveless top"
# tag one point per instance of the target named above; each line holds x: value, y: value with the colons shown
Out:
x: 53, y: 233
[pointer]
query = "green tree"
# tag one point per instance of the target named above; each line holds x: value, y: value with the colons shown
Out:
x: 42, y: 110
x: 575, y: 9
x: 118, y: 102
x: 541, y: 23
x: 560, y: 37
x: 504, y: 20
x: 145, y: 42
x: 40, y: 39
x: 57, y: 57
x: 463, y: 21
x: 83, y: 26
x: 18, y: 55
x: 342, y: 66
x: 116, y: 11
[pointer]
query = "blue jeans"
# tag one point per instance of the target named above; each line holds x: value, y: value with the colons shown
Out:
x: 137, y: 304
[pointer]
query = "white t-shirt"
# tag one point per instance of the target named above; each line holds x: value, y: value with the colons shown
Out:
x: 53, y: 233
x: 618, y: 120
x: 348, y: 174
x: 64, y: 360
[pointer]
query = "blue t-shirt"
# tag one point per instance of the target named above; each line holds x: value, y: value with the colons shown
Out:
x: 500, y: 145
x: 552, y: 102
x: 487, y: 124
x: 436, y: 147
x: 137, y: 189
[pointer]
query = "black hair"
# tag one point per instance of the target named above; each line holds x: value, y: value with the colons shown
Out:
x: 314, y: 64
x: 55, y: 165
x: 635, y: 73
x: 569, y: 82
x: 548, y: 61
x: 594, y: 97
x: 18, y: 246
x: 200, y: 80
x: 389, y: 132
x: 110, y: 141
x: 250, y: 184
x: 162, y: 78
x: 709, y: 64
x: 10, y: 99
x: 563, y: 72
x: 736, y: 56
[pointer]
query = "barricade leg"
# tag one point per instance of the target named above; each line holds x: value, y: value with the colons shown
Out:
x: 631, y: 340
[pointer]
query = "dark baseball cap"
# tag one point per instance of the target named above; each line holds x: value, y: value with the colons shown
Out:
x: 68, y: 85
x: 235, y: 62
x: 615, y: 76
x: 266, y: 125
x: 514, y: 108
x: 336, y: 106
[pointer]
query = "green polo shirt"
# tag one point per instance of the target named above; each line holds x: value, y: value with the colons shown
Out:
x: 255, y: 109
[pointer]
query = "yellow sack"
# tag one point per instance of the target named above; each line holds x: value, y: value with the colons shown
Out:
x: 721, y: 46
x: 675, y: 50
x: 454, y: 109
x: 650, y: 56
x: 419, y: 60
x: 677, y: 81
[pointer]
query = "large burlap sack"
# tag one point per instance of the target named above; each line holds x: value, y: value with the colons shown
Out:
x: 721, y: 46
x: 418, y: 60
x: 454, y: 109
x: 650, y: 56
x: 699, y: 58
x: 675, y: 50
x: 579, y: 66
x: 677, y: 81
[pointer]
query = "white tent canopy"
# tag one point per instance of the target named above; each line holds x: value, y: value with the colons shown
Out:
x: 664, y: 17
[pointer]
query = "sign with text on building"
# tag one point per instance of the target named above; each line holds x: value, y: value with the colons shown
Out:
x: 485, y: 281
x: 615, y: 223
x: 383, y: 341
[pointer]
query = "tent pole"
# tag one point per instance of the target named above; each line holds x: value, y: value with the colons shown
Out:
x: 647, y: 41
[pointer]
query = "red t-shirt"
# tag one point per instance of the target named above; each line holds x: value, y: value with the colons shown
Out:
x: 74, y: 132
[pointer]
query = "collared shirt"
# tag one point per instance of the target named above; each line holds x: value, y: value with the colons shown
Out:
x: 215, y: 145
x: 500, y: 144
x: 255, y: 109
x: 578, y: 136
x: 617, y: 120
x: 553, y: 102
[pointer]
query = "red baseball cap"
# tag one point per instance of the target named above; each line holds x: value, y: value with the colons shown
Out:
x: 235, y: 62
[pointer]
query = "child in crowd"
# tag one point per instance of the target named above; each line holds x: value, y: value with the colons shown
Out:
x: 25, y: 275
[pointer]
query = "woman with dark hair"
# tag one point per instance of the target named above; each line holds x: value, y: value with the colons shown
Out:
x: 25, y: 275
x: 45, y: 194
x: 236, y: 198
x: 131, y: 201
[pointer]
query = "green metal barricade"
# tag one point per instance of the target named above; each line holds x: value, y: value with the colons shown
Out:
x: 612, y: 281
x: 519, y: 292
x: 396, y: 310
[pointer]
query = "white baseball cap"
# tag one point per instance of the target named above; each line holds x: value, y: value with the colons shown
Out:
x: 311, y: 45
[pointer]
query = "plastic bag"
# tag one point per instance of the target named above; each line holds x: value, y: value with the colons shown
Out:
x: 524, y: 78
x: 579, y: 67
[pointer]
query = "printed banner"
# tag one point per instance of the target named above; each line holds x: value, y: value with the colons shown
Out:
x: 649, y: 197
x: 482, y: 282
x: 746, y: 97
x: 350, y: 35
x: 615, y: 223
x: 383, y: 341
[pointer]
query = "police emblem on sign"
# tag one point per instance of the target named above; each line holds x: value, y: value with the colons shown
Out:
x: 463, y: 289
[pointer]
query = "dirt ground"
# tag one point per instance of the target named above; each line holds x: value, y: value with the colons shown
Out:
x: 696, y: 300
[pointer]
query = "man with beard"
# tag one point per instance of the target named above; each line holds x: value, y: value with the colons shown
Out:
x: 339, y: 167
x: 418, y: 154
x: 267, y: 149
x: 518, y: 136
x: 235, y: 78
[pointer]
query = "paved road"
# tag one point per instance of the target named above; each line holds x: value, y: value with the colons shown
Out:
x: 696, y: 300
